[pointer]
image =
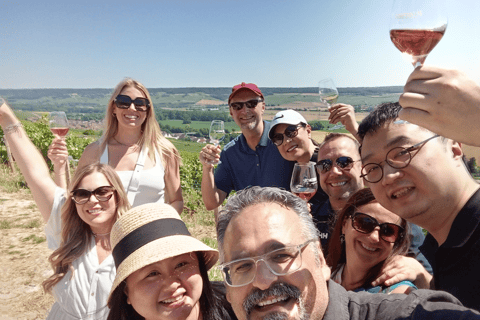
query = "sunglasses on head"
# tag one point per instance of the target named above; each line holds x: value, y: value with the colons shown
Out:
x: 237, y: 106
x: 325, y: 165
x: 364, y: 223
x: 124, y: 102
x: 290, y: 132
x: 82, y: 196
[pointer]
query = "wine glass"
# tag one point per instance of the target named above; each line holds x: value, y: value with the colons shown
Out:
x: 416, y: 26
x: 59, y: 127
x: 58, y: 123
x: 217, y: 134
x: 304, y: 181
x: 329, y: 94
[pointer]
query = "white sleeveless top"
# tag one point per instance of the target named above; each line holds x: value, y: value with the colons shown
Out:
x: 152, y: 182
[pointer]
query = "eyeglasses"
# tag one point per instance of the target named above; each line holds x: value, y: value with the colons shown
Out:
x: 364, y: 223
x: 344, y: 163
x: 290, y: 132
x: 81, y: 196
x: 280, y: 262
x: 237, y: 106
x: 397, y: 158
x: 124, y: 102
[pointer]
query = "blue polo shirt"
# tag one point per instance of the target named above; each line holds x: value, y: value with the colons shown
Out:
x: 243, y: 167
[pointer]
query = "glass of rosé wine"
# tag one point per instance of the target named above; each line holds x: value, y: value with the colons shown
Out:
x: 416, y: 27
x: 304, y: 181
x: 58, y: 123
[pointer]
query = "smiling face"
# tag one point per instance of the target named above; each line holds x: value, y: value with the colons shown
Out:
x: 167, y: 289
x: 428, y: 186
x: 257, y: 230
x: 339, y: 184
x: 99, y: 215
x: 247, y: 118
x: 299, y: 148
x: 130, y: 118
x: 367, y: 250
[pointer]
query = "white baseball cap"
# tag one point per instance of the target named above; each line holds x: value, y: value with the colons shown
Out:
x: 286, y: 116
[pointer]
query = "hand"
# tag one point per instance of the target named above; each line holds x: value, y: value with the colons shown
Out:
x: 401, y: 268
x: 7, y: 117
x: 443, y: 101
x: 209, y: 155
x: 57, y: 152
x: 344, y: 113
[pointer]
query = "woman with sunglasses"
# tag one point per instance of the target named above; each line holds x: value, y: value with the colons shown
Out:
x: 132, y: 143
x: 78, y: 225
x: 162, y: 270
x: 365, y: 237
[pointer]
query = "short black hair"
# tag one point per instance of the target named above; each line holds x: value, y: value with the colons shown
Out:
x: 382, y: 114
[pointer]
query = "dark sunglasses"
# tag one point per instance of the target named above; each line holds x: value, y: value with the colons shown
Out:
x: 364, y: 223
x: 237, y: 106
x: 290, y: 132
x: 81, y: 196
x: 325, y: 165
x: 124, y: 102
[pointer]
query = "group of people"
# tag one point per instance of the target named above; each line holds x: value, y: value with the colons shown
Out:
x: 122, y: 251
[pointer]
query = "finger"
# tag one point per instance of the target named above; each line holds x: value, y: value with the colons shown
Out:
x: 425, y: 72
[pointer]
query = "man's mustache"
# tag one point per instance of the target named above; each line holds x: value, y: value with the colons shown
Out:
x: 278, y: 289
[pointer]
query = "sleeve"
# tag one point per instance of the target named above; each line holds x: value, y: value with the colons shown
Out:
x: 53, y: 228
x: 401, y: 283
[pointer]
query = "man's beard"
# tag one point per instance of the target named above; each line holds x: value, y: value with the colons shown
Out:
x: 278, y: 289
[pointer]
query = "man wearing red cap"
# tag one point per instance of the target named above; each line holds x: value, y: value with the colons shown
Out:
x: 251, y: 159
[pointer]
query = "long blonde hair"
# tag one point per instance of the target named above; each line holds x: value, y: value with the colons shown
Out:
x: 151, y: 137
x: 76, y: 234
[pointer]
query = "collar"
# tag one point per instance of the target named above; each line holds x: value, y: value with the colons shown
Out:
x: 465, y: 223
x: 264, y: 140
x: 338, y: 302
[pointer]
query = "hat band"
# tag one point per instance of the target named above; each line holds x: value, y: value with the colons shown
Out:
x: 145, y: 234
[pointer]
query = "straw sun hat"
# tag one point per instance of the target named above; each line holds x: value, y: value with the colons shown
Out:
x: 150, y: 233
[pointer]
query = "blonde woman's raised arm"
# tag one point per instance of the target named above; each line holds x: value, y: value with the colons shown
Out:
x: 29, y: 160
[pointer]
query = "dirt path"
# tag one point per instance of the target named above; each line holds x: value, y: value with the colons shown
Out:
x: 23, y: 258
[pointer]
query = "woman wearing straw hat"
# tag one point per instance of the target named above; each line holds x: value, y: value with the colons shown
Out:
x: 78, y: 225
x: 132, y: 143
x: 162, y: 269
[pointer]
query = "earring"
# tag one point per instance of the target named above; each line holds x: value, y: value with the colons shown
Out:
x: 114, y: 114
x: 342, y: 239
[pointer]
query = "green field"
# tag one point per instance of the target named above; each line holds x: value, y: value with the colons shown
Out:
x: 231, y: 126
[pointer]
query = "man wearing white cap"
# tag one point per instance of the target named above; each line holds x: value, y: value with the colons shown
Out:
x: 251, y: 159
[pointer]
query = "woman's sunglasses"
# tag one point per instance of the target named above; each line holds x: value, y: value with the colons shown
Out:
x: 237, y: 106
x: 81, y: 196
x: 124, y: 102
x: 364, y: 223
x: 325, y: 165
x: 290, y: 132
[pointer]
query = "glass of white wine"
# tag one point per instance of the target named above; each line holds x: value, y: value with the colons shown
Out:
x: 328, y: 93
x: 304, y: 181
x: 217, y: 134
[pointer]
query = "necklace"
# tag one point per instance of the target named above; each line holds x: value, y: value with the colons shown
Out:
x: 100, y: 234
x: 123, y: 144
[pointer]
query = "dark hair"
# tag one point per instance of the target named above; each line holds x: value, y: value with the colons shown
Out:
x: 212, y: 304
x: 383, y: 113
x: 336, y: 249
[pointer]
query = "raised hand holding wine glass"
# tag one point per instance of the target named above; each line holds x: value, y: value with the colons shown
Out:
x: 328, y: 93
x: 59, y: 126
x: 304, y: 181
x: 217, y: 134
x: 416, y: 27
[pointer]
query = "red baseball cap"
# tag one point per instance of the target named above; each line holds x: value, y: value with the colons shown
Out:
x: 245, y: 86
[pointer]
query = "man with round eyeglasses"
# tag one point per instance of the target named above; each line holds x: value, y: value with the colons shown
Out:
x: 421, y: 177
x: 274, y: 268
x: 251, y: 159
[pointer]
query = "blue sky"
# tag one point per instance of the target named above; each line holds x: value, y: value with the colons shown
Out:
x: 217, y: 43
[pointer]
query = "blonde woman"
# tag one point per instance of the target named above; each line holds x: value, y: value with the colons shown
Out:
x: 78, y: 224
x: 147, y: 163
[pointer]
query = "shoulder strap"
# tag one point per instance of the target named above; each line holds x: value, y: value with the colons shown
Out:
x: 132, y: 187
